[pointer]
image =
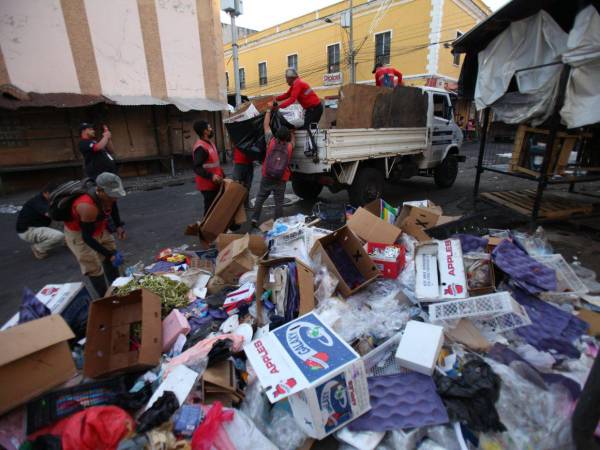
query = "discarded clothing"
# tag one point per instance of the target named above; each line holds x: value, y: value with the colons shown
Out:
x: 471, y: 397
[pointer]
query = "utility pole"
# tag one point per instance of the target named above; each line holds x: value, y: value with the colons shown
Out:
x: 351, y: 46
x: 234, y: 45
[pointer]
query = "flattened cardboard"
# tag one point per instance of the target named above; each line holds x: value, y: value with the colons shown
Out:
x: 222, y: 212
x: 108, y: 347
x: 35, y: 357
x: 593, y: 319
x: 371, y: 228
x: 305, y: 285
x: 439, y: 271
x: 257, y: 244
x: 323, y: 378
x: 353, y: 247
x: 415, y: 221
x: 235, y: 260
x: 468, y: 334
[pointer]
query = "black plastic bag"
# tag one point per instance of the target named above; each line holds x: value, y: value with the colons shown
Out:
x: 159, y: 412
x: 471, y: 397
x: 249, y: 135
x: 220, y: 351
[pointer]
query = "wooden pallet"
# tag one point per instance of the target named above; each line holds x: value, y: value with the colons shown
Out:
x: 552, y: 207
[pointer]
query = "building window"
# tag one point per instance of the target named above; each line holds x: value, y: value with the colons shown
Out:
x: 227, y: 79
x: 262, y: 73
x: 333, y: 58
x: 456, y: 56
x: 242, y: 78
x: 293, y: 61
x: 382, y: 47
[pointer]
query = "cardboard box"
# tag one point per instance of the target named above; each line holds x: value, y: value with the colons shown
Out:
x: 323, y: 378
x: 35, y: 357
x: 415, y: 221
x: 371, y: 228
x: 488, y: 288
x: 111, y: 323
x: 305, y: 285
x: 70, y: 300
x: 593, y: 319
x: 256, y: 244
x: 380, y: 208
x: 469, y: 335
x: 389, y: 268
x: 440, y: 272
x: 420, y: 346
x: 222, y: 213
x: 354, y: 249
x: 235, y: 260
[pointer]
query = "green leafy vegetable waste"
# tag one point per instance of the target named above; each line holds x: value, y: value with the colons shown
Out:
x: 173, y: 294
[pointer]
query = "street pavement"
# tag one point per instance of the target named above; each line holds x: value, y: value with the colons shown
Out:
x: 155, y: 219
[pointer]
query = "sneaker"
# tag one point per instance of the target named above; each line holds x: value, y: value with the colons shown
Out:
x: 38, y: 254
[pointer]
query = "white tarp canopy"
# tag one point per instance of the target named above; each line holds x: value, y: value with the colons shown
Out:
x: 582, y: 99
x: 536, y: 41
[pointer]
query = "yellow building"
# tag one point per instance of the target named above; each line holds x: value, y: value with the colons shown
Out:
x: 411, y: 35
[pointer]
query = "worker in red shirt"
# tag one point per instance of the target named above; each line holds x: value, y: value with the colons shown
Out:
x: 387, y: 76
x: 243, y: 170
x: 313, y: 109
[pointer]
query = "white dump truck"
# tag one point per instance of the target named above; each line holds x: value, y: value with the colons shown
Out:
x: 362, y: 159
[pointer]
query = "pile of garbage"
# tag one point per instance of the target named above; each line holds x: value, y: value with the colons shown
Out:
x: 373, y: 333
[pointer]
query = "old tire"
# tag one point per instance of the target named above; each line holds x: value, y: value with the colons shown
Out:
x: 445, y: 174
x: 367, y: 186
x: 306, y: 189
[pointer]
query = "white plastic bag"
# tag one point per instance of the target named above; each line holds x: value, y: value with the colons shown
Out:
x: 294, y: 114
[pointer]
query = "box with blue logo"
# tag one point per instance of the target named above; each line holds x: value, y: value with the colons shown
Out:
x: 323, y: 378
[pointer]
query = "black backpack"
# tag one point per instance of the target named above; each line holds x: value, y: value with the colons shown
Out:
x: 62, y: 198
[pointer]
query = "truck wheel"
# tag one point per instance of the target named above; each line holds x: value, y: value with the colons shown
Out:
x: 367, y: 186
x: 306, y: 189
x: 445, y: 174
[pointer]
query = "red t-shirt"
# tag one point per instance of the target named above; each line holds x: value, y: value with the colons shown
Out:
x: 301, y: 91
x: 74, y: 223
x: 383, y: 71
x: 287, y: 172
x: 239, y: 157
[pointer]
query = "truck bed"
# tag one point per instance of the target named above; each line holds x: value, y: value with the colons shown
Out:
x: 347, y: 145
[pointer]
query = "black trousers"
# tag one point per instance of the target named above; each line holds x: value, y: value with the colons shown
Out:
x: 312, y: 115
x: 209, y: 198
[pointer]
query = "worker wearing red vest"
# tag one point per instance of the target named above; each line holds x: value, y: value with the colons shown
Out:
x: 207, y: 167
x: 387, y: 76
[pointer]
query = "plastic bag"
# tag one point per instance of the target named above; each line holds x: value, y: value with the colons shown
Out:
x: 325, y: 284
x: 245, y: 435
x: 283, y: 430
x: 160, y: 412
x: 31, y: 307
x: 206, y: 434
x: 534, y: 417
x: 470, y: 398
x: 293, y: 114
x: 535, y: 244
x: 256, y: 406
x: 540, y: 360
x: 588, y: 277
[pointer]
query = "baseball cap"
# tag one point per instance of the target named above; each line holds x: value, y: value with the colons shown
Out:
x: 111, y: 184
x: 85, y: 126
